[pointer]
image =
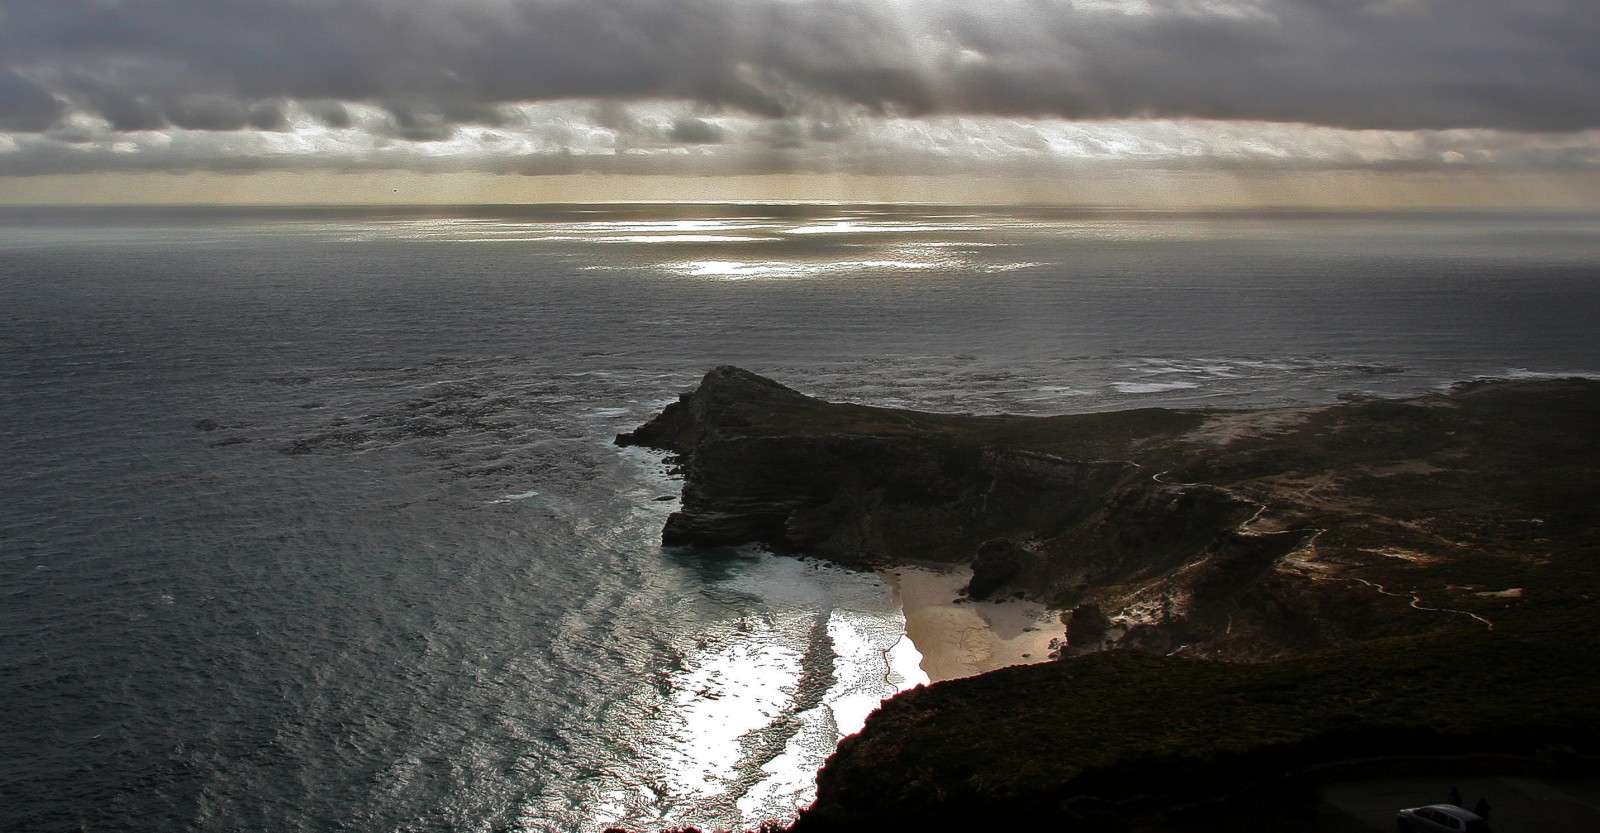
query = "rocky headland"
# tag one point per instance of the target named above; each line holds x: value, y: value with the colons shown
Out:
x: 1340, y: 545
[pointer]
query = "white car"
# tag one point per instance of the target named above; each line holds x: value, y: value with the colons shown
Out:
x: 1440, y: 818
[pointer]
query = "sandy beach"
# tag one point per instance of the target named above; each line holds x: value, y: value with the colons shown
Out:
x: 960, y: 638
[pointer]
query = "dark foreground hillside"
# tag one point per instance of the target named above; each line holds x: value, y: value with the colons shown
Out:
x: 1125, y: 738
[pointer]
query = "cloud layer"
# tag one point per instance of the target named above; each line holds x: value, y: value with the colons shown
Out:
x: 767, y: 83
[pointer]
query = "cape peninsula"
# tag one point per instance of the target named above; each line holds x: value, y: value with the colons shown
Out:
x: 1293, y: 588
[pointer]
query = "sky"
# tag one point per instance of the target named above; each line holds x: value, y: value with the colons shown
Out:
x: 1145, y: 102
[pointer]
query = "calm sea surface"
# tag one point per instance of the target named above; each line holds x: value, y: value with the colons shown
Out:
x: 310, y: 519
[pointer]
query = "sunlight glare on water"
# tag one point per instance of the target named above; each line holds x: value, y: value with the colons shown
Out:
x: 740, y: 270
x: 758, y: 703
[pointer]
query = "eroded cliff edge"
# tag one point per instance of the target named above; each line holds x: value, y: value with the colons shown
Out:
x: 1242, y: 535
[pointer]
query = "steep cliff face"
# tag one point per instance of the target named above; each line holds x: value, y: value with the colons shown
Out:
x: 862, y: 486
x: 874, y: 487
x: 1235, y: 535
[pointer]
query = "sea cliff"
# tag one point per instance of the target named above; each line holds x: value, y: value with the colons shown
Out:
x: 1320, y: 539
x: 1242, y: 535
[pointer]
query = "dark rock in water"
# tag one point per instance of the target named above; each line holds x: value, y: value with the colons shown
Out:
x: 207, y: 425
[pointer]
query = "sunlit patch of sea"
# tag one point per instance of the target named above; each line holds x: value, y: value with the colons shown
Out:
x: 733, y: 730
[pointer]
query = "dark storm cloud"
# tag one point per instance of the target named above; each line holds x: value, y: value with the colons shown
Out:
x: 1398, y: 64
x: 129, y: 112
x: 25, y: 106
x: 267, y: 115
x: 417, y: 124
x: 330, y: 113
x: 436, y: 121
x: 207, y: 112
x: 692, y: 131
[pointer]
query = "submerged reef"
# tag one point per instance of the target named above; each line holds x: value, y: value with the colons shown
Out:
x: 1399, y: 565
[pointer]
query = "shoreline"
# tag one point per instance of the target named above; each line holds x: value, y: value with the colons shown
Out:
x: 958, y: 637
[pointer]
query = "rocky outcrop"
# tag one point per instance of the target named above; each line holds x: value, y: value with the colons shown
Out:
x: 1236, y: 535
x: 861, y: 486
x: 874, y: 487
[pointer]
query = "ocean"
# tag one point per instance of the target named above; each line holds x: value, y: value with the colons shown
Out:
x: 311, y: 519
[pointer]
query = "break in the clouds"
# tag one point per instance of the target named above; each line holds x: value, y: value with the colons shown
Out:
x: 760, y: 85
